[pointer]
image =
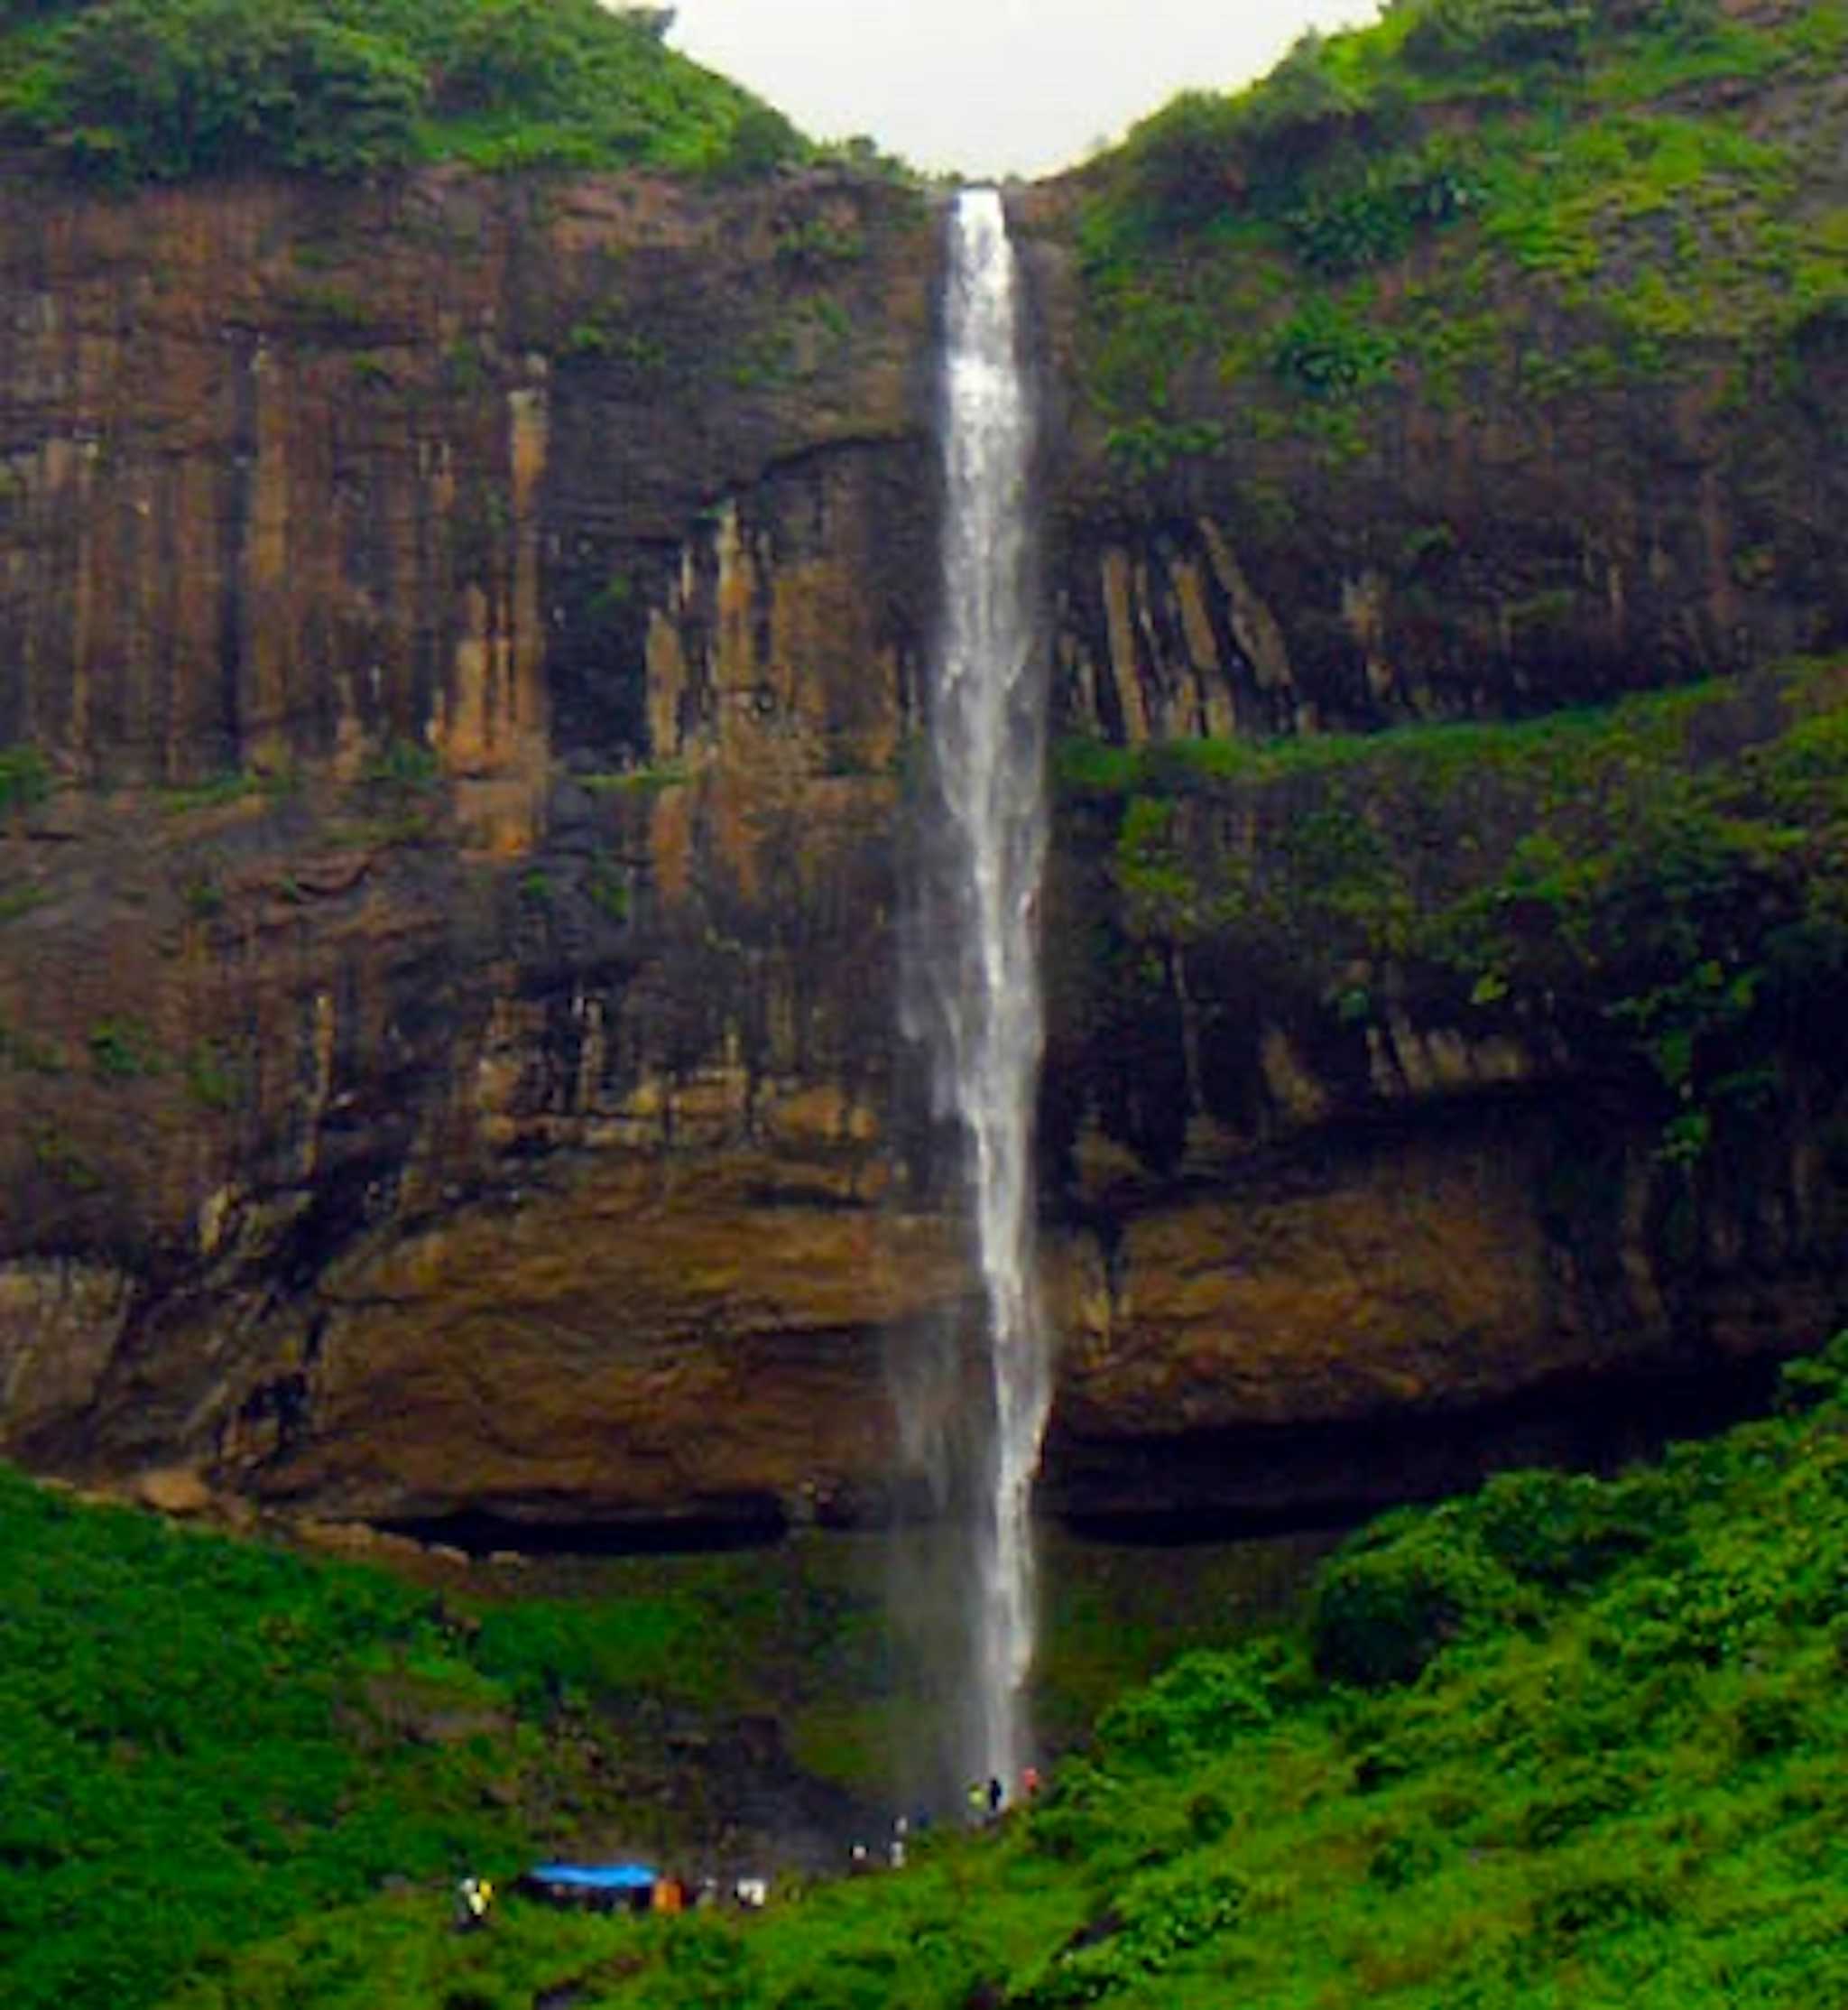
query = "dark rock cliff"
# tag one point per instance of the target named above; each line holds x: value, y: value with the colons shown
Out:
x: 459, y: 647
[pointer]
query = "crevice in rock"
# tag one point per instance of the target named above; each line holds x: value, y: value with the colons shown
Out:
x: 744, y: 1524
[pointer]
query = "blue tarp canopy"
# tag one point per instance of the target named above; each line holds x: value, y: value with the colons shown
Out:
x: 595, y: 1878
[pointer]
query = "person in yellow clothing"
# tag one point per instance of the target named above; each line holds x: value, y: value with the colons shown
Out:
x: 474, y: 1895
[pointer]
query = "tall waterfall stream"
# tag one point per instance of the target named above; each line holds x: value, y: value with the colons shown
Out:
x: 973, y: 989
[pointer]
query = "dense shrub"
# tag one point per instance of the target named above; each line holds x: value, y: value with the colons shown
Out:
x: 166, y: 89
x: 1685, y: 21
x: 1564, y: 1530
x: 1163, y: 1920
x: 1385, y: 1609
x: 1186, y: 158
x: 1452, y: 33
x: 1301, y: 110
x: 760, y: 140
x: 26, y: 778
x: 1082, y: 1808
x: 1200, y: 1705
x: 1202, y: 151
x: 528, y: 54
x: 1816, y: 1381
x: 1327, y: 352
x: 160, y: 91
x: 1358, y: 221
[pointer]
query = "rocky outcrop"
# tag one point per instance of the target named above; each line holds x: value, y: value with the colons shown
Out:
x: 461, y: 651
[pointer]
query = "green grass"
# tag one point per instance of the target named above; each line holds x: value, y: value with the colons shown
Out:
x: 1565, y: 1742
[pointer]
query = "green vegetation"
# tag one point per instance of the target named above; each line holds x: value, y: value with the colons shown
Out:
x: 815, y: 247
x: 1327, y: 350
x: 215, y: 793
x: 1607, y: 189
x: 166, y: 90
x: 195, y: 1745
x: 207, y: 1742
x: 25, y: 779
x: 607, y: 886
x: 405, y: 767
x: 400, y: 800
x: 213, y: 1080
x: 204, y: 896
x: 642, y: 781
x: 122, y: 1049
x: 202, y: 1740
x: 609, y: 336
x: 1567, y: 1741
x: 1663, y: 883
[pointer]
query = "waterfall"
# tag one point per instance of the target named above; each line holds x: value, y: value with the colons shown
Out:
x: 973, y: 977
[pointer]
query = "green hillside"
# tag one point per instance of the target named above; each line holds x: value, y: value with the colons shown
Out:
x: 1566, y: 1742
x: 203, y: 1740
x: 166, y: 90
x: 1474, y: 198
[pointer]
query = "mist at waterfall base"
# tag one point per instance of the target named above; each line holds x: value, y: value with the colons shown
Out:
x: 973, y: 1389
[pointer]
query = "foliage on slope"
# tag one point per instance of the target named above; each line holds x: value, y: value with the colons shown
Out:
x: 1563, y: 1741
x: 1474, y: 198
x: 203, y: 1741
x: 164, y: 90
x: 172, y: 1781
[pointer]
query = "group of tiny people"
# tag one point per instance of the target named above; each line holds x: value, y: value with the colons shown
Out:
x: 987, y: 1801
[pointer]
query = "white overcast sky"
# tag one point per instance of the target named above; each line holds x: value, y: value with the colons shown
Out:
x: 992, y: 87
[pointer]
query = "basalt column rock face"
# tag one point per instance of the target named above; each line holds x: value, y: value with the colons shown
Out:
x: 460, y: 646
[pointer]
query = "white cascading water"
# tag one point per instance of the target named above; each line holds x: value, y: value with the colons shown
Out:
x: 979, y: 961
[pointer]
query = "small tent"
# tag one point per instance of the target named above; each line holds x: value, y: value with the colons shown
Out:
x: 593, y: 1887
